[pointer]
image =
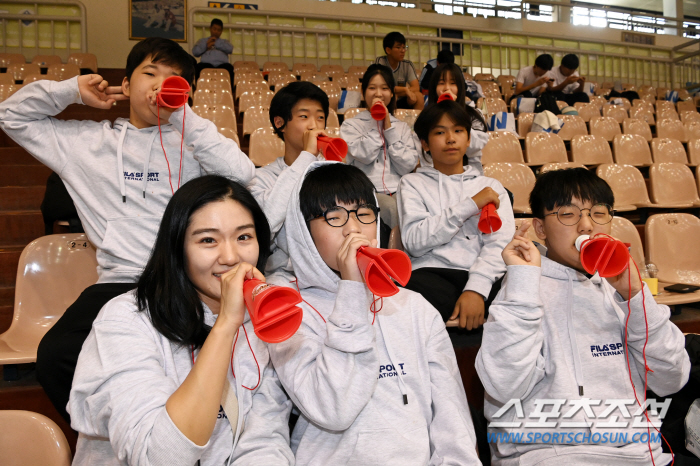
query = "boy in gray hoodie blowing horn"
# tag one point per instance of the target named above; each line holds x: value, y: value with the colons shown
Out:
x: 566, y: 356
x: 376, y: 380
x: 120, y: 176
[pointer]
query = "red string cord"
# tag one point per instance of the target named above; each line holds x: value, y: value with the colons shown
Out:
x: 307, y: 303
x: 380, y: 128
x: 182, y: 140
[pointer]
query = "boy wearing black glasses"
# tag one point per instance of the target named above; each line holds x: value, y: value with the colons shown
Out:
x: 375, y: 379
x: 564, y: 353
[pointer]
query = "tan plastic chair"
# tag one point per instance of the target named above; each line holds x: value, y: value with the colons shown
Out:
x: 631, y: 149
x: 7, y: 59
x: 668, y: 150
x: 32, y: 439
x: 643, y: 104
x: 408, y: 116
x: 637, y: 126
x: 670, y: 240
x: 694, y: 152
x: 63, y: 71
x: 625, y: 231
x: 248, y: 76
x: 561, y: 104
x: 643, y: 113
x: 549, y: 167
x: 245, y: 65
x: 525, y: 123
x: 6, y: 90
x: 332, y: 121
x: 395, y: 239
x: 35, y: 77
x: 250, y: 87
x: 673, y: 185
x: 265, y: 147
x: 599, y: 101
x: 573, y: 126
x: 661, y: 92
x: 7, y: 79
x: 484, y: 77
x: 518, y: 179
x: 352, y: 112
x: 645, y: 89
x: 606, y: 127
x: 357, y: 69
x: 333, y: 91
x: 502, y: 146
x: 85, y: 61
x: 672, y: 129
x: 688, y: 116
x: 52, y: 272
x: 607, y: 85
x: 213, y: 82
x: 541, y: 148
x: 19, y: 70
x: 493, y: 105
x: 616, y: 112
x: 590, y: 150
x: 627, y: 183
x: 275, y: 66
x: 665, y: 114
x: 692, y: 128
x: 254, y: 99
x: 588, y: 111
x: 334, y: 68
x: 299, y: 68
x: 255, y: 118
x: 686, y: 106
x: 212, y: 97
x: 506, y: 81
x: 223, y: 117
x: 44, y: 61
x: 664, y: 105
x: 215, y: 74
x: 280, y: 78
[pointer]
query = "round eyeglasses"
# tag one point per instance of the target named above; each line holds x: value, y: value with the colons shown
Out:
x: 338, y: 216
x: 570, y: 215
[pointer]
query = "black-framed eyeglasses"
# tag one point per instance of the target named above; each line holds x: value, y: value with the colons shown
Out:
x: 570, y: 215
x: 338, y: 216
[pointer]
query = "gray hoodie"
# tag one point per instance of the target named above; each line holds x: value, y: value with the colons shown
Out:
x: 383, y: 393
x: 438, y: 221
x: 127, y: 371
x: 554, y: 334
x: 102, y: 166
x: 366, y: 150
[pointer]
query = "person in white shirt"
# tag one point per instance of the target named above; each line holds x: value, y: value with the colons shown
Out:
x: 566, y: 84
x: 532, y: 80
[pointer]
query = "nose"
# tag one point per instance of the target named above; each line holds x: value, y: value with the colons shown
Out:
x: 229, y: 254
x: 352, y: 226
x: 450, y: 137
x: 585, y: 225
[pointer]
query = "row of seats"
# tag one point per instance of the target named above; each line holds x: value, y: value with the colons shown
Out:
x: 82, y: 60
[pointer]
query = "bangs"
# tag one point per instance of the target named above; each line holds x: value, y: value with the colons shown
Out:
x: 333, y: 184
x: 559, y: 187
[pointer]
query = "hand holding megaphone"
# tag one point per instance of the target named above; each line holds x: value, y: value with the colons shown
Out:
x: 378, y: 110
x: 447, y: 95
x: 380, y: 266
x: 489, y: 221
x: 273, y: 310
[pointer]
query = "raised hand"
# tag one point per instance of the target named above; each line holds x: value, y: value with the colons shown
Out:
x: 96, y: 92
x: 521, y: 251
x: 347, y: 256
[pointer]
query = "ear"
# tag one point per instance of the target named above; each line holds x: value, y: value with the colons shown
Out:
x: 538, y: 225
x: 386, y: 50
x: 425, y: 146
x: 279, y: 122
x: 126, y: 90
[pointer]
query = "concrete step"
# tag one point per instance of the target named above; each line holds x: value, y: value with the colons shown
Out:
x: 24, y: 175
x: 21, y: 197
x: 19, y: 228
x: 16, y: 156
x: 9, y: 258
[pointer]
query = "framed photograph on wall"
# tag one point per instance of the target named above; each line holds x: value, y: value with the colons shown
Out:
x: 158, y: 18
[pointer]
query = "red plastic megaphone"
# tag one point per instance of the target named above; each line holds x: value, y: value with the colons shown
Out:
x: 377, y: 265
x: 603, y: 254
x: 174, y: 92
x: 378, y: 111
x: 273, y: 310
x: 445, y: 96
x: 490, y: 221
x: 332, y: 148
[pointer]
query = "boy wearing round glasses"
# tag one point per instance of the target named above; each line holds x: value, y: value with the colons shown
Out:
x: 559, y: 341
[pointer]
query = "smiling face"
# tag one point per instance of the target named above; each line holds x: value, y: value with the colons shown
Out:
x: 219, y: 236
x: 447, y: 144
x: 144, y: 84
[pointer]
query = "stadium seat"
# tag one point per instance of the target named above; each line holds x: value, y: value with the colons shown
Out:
x: 694, y: 152
x: 525, y: 123
x: 688, y: 116
x: 332, y: 121
x: 408, y: 116
x: 334, y: 68
x: 673, y: 129
x: 250, y: 87
x: 30, y: 78
x: 45, y: 60
x: 223, y: 117
x: 213, y: 97
x: 599, y: 101
x: 255, y: 118
x: 548, y: 167
x: 627, y: 183
x: 265, y: 147
x: 53, y: 270
x: 573, y: 126
x: 484, y: 77
x: 606, y: 127
x: 672, y: 185
x: 333, y: 91
x: 664, y: 105
x: 665, y: 114
x: 668, y: 237
x: 518, y: 179
x: 541, y: 148
x: 351, y: 112
x: 28, y: 438
x: 63, y: 71
x: 6, y: 90
x: 692, y: 128
x: 590, y: 150
x: 280, y: 78
x: 7, y: 59
x: 616, y: 112
x: 686, y: 106
x: 245, y: 65
x: 625, y: 231
x: 216, y: 74
x: 502, y: 146
x: 631, y: 149
x: 587, y: 111
x: 254, y: 99
x: 643, y: 113
x: 298, y: 68
x: 275, y: 66
x: 247, y: 76
x: 642, y: 104
x: 19, y: 70
x: 668, y: 150
x: 357, y: 69
x: 637, y: 126
x: 85, y: 61
x: 7, y: 79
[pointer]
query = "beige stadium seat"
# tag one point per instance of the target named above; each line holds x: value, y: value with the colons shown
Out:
x: 245, y: 65
x: 335, y: 75
x: 333, y: 91
x: 357, y: 69
x: 254, y: 99
x: 573, y: 126
x: 599, y: 101
x: 518, y: 179
x: 280, y: 78
x: 673, y: 129
x: 45, y: 60
x: 561, y: 104
x: 408, y: 116
x: 19, y: 70
x: 30, y: 78
x: 661, y: 92
x: 248, y: 76
x: 530, y: 234
x: 493, y: 105
x: 625, y: 103
x: 250, y: 87
x: 665, y: 114
x: 541, y: 148
x: 352, y: 112
x: 223, y: 117
x: 230, y: 133
x: 53, y: 270
x: 643, y: 104
x: 7, y: 59
x: 254, y: 118
x: 694, y: 152
x: 590, y: 150
x: 313, y: 76
x: 211, y: 97
x: 6, y: 90
x: 525, y: 123
x: 395, y: 239
x: 265, y: 147
x: 299, y: 68
x: 632, y: 149
x: 502, y: 146
x: 673, y: 185
x: 275, y: 66
x: 692, y: 129
x: 347, y: 81
x: 625, y: 231
x: 333, y: 68
x: 7, y: 79
x: 636, y: 126
x: 215, y: 74
x: 642, y: 113
x: 484, y: 77
x: 607, y: 85
x: 668, y: 150
x: 664, y: 105
x: 651, y: 98
x: 32, y: 439
x: 686, y: 106
x: 644, y: 89
x: 215, y: 83
x: 506, y: 81
x: 85, y: 61
x: 332, y: 121
x: 606, y: 127
x: 688, y: 116
x: 63, y: 71
x: 588, y: 111
x: 548, y: 167
x: 627, y: 183
x: 616, y: 112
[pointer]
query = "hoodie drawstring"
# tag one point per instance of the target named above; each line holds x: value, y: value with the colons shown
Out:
x: 578, y: 372
x: 120, y: 162
x: 397, y: 368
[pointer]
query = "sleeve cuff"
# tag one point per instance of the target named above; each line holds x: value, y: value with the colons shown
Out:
x: 479, y: 284
x: 467, y: 209
x: 170, y: 446
x: 304, y: 160
x: 66, y: 92
x: 392, y: 135
x: 523, y: 284
x: 351, y: 304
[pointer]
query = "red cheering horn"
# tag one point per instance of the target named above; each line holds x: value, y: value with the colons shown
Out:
x: 445, y: 96
x: 604, y: 254
x: 273, y: 310
x: 377, y: 265
x: 174, y: 92
x: 489, y: 222
x: 332, y: 148
x: 378, y: 111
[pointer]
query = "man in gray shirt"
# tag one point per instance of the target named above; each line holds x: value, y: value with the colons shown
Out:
x: 214, y: 50
x: 407, y: 89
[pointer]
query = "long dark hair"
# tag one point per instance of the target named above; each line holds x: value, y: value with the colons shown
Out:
x: 388, y: 77
x: 441, y: 72
x: 164, y: 290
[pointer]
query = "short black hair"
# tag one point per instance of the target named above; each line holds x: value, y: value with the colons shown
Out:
x: 286, y: 98
x: 445, y: 56
x: 164, y: 51
x: 558, y: 187
x: 545, y: 62
x: 216, y: 21
x: 570, y: 61
x: 439, y: 73
x: 388, y: 77
x: 332, y: 183
x: 431, y: 116
x: 393, y: 38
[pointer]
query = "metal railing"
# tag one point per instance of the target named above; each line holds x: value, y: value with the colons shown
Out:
x: 687, y: 64
x: 324, y: 39
x: 42, y: 33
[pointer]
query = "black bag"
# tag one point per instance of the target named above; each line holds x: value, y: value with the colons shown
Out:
x: 547, y: 101
x: 58, y: 205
